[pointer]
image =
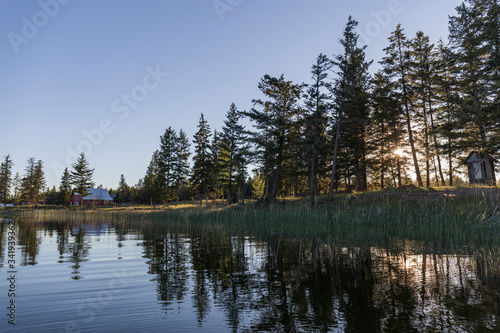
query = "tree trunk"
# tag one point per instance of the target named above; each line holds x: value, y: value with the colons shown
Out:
x: 296, y: 186
x: 230, y: 182
x: 434, y: 139
x: 358, y: 176
x: 450, y: 163
x: 312, y: 185
x: 408, y: 121
x: 274, y: 191
x: 334, y: 164
x: 426, y: 146
x: 313, y: 162
x: 399, y: 171
x: 337, y: 135
x: 382, y: 176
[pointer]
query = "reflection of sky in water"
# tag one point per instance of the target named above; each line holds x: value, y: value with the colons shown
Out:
x: 112, y: 277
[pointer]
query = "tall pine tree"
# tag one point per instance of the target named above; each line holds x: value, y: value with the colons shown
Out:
x: 447, y: 111
x: 152, y: 189
x: 234, y: 154
x: 123, y: 191
x: 475, y: 42
x: 202, y: 172
x: 274, y: 121
x: 422, y: 81
x: 5, y: 178
x: 317, y: 104
x: 64, y: 195
x: 397, y: 64
x: 181, y: 166
x: 81, y: 175
x: 168, y: 161
x: 350, y: 92
x: 386, y: 131
x: 33, y: 182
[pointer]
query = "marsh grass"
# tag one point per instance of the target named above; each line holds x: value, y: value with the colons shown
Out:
x: 451, y: 223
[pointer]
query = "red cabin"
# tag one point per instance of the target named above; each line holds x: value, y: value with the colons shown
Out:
x: 95, y: 197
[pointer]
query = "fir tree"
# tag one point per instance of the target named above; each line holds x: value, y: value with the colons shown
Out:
x: 422, y: 79
x: 123, y: 191
x: 351, y: 106
x: 258, y: 186
x: 274, y: 121
x: 397, y: 64
x: 181, y: 166
x: 33, y: 182
x: 16, y: 184
x: 217, y: 162
x: 5, y: 178
x: 447, y: 111
x: 81, y: 175
x: 168, y: 161
x: 316, y: 119
x: 52, y: 196
x: 234, y: 154
x: 202, y: 172
x: 64, y: 196
x: 386, y: 130
x: 152, y: 191
x: 475, y: 44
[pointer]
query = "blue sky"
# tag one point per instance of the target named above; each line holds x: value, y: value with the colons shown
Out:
x: 108, y: 77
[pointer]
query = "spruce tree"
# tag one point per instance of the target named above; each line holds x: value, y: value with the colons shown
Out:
x: 152, y: 189
x: 123, y: 190
x: 64, y: 195
x: 397, y: 64
x: 33, y: 182
x: 316, y: 120
x: 386, y: 130
x: 202, y: 172
x: 350, y: 91
x: 16, y: 185
x: 447, y: 112
x: 81, y: 175
x: 422, y: 79
x: 52, y: 196
x: 216, y: 155
x: 181, y: 166
x: 475, y: 43
x: 273, y: 123
x: 5, y: 179
x: 234, y: 153
x: 168, y: 161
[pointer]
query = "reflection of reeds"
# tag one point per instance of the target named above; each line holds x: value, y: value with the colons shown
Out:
x: 450, y: 224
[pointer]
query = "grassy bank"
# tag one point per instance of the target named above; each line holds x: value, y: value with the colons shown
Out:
x: 443, y: 220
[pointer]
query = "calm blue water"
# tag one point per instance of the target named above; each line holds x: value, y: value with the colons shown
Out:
x: 90, y: 277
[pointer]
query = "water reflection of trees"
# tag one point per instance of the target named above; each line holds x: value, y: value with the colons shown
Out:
x: 293, y: 285
x: 77, y: 249
x: 3, y: 240
x: 73, y: 244
x: 28, y: 240
x: 168, y: 261
x: 297, y: 285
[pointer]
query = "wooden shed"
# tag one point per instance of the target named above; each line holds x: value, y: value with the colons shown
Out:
x: 481, y: 167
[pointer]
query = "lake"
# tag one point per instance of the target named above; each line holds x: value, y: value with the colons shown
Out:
x: 149, y: 277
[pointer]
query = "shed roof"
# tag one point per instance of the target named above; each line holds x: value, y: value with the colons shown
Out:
x: 477, y: 156
x: 97, y: 194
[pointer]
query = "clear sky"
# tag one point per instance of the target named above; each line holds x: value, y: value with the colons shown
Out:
x: 108, y: 77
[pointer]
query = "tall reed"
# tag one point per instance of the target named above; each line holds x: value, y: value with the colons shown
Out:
x: 448, y: 224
